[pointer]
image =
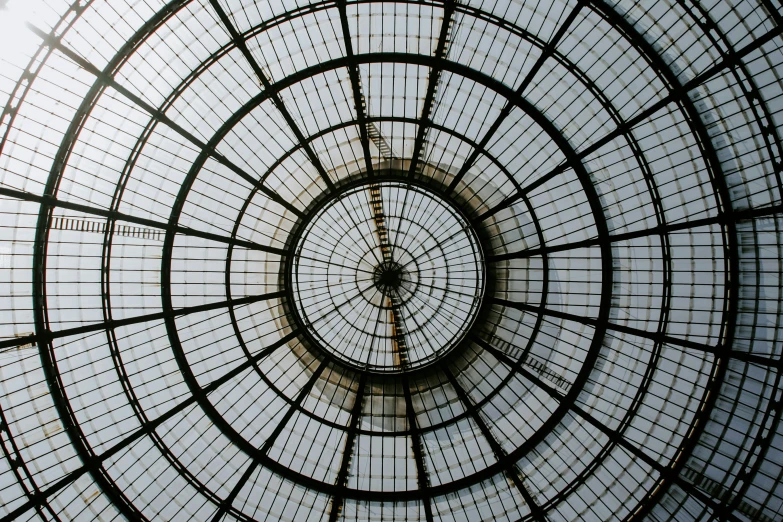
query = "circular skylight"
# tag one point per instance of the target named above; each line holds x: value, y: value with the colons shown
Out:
x: 391, y: 261
x: 387, y: 276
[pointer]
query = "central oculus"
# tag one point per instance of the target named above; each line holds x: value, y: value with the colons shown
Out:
x: 386, y: 276
x: 391, y: 277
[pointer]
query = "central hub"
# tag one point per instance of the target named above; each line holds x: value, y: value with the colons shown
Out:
x: 390, y: 277
x: 385, y: 276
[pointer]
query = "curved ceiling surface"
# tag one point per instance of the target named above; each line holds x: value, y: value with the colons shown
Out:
x: 423, y: 260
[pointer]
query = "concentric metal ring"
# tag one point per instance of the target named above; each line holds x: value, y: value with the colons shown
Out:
x: 387, y: 276
x: 173, y: 351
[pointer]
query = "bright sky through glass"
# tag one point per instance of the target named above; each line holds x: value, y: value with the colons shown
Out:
x: 591, y: 192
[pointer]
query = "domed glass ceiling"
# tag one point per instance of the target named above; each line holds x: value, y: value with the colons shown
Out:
x: 348, y: 260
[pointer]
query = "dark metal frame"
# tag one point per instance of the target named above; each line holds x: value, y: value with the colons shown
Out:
x: 678, y: 95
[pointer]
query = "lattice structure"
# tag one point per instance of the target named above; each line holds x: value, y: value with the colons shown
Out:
x: 385, y: 261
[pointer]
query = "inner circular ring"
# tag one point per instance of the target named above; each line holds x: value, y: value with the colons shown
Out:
x: 386, y: 276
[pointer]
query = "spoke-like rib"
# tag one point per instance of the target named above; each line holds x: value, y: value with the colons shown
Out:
x: 273, y: 95
x: 673, y: 95
x: 614, y: 436
x: 422, y: 475
x: 511, y: 470
x: 270, y: 441
x: 520, y: 90
x: 96, y: 462
x: 117, y: 323
x: 350, y: 441
x: 654, y: 336
x: 111, y: 214
x: 669, y: 228
x: 432, y: 86
x: 758, y: 359
x: 356, y: 86
x: 162, y: 118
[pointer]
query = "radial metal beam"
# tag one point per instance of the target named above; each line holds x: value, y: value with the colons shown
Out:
x: 771, y: 361
x: 717, y: 177
x: 737, y: 487
x: 304, y: 391
x: 422, y: 475
x: 718, y: 219
x: 96, y: 461
x: 673, y: 95
x: 118, y: 323
x: 126, y: 381
x: 154, y: 22
x: 350, y: 441
x: 432, y: 85
x: 19, y: 468
x: 356, y: 86
x: 614, y: 436
x: 181, y: 357
x: 162, y: 117
x: 54, y: 380
x: 273, y: 94
x: 52, y: 202
x: 545, y: 53
x: 511, y: 469
x: 595, y: 322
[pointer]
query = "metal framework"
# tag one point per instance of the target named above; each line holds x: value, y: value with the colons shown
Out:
x: 392, y: 261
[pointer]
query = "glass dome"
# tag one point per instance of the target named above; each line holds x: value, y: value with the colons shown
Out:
x: 391, y: 261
